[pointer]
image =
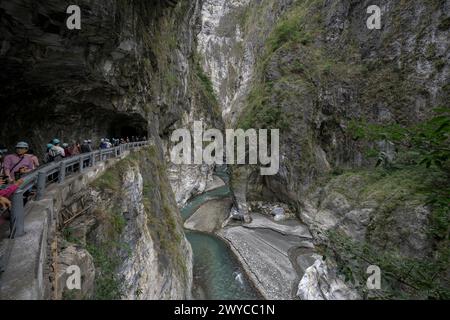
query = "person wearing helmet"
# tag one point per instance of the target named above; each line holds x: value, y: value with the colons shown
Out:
x: 102, y: 144
x: 48, y: 156
x: 53, y: 153
x: 86, y: 147
x: 18, y: 164
x: 66, y: 150
x: 58, y: 147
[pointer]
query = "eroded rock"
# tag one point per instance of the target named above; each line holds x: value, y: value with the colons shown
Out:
x: 321, y: 283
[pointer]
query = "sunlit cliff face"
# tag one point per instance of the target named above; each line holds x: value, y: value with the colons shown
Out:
x: 226, y: 58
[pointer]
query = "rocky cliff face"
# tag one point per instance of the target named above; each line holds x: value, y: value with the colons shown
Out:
x: 130, y: 66
x: 308, y: 67
x: 312, y: 68
x: 230, y: 41
x: 129, y: 243
x: 333, y: 70
x: 132, y: 69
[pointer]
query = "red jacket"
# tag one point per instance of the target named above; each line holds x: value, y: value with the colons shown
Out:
x: 8, y: 192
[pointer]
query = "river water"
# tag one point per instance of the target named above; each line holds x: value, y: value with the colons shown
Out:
x: 218, y: 274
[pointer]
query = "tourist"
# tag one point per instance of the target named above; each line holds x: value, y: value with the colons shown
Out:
x: 5, y: 203
x: 57, y: 143
x: 8, y: 192
x: 53, y: 154
x: 90, y: 145
x: 86, y: 147
x: 75, y: 149
x: 48, y: 158
x: 17, y: 164
x: 34, y: 158
x: 66, y: 148
x: 102, y: 144
x: 3, y: 178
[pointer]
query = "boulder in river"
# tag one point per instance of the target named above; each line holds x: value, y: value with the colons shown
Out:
x: 278, y: 214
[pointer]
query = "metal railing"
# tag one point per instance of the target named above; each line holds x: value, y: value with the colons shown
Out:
x: 56, y: 172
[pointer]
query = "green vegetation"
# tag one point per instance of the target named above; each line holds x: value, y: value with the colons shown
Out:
x: 68, y: 236
x: 429, y: 140
x: 260, y: 113
x: 110, y: 180
x: 392, y: 193
x: 205, y: 82
x: 106, y: 249
x: 420, y: 174
x: 162, y: 216
x: 294, y: 62
x: 402, y: 278
x: 291, y: 30
x: 425, y: 144
x: 106, y: 254
x: 106, y: 261
x: 205, y: 90
x: 445, y: 24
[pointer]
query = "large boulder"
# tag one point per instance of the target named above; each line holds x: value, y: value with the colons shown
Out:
x: 321, y: 283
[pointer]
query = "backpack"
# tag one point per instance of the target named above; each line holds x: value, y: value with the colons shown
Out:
x: 54, y: 155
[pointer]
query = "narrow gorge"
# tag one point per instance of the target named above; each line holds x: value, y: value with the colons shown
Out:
x: 363, y: 122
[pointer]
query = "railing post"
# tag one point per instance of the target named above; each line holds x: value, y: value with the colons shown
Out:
x: 17, y: 215
x: 42, y: 178
x: 62, y: 172
x: 81, y: 164
x: 92, y: 159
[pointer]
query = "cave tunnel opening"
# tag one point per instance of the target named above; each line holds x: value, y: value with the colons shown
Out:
x: 38, y: 126
x: 128, y: 126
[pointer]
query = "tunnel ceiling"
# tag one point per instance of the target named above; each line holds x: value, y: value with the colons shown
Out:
x: 75, y: 83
